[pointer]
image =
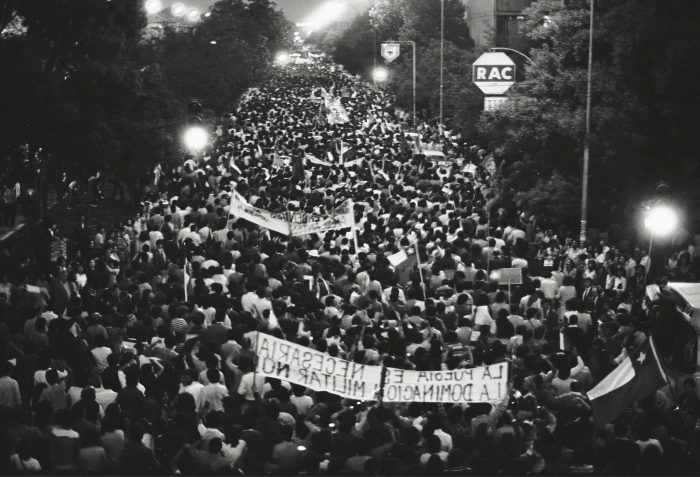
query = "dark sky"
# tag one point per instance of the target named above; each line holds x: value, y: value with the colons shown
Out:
x: 295, y: 10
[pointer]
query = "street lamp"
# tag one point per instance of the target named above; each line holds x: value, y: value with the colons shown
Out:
x: 193, y: 15
x: 380, y: 74
x: 153, y: 6
x: 196, y: 138
x: 587, y: 137
x: 413, y: 47
x: 660, y: 221
x: 282, y: 58
x: 442, y: 49
x: 178, y: 10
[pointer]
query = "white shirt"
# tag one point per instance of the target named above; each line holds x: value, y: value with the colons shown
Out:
x: 246, y: 390
x: 195, y: 389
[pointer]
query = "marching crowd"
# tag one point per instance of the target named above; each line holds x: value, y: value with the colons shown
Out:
x: 131, y: 355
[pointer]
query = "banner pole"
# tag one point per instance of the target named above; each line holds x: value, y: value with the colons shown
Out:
x: 354, y: 228
x: 420, y: 271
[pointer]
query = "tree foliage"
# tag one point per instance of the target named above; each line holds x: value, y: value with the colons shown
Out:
x: 639, y: 119
x: 418, y: 21
x: 90, y: 89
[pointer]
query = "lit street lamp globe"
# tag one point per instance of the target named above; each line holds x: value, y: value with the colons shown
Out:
x: 380, y: 74
x: 661, y: 220
x: 193, y: 15
x: 153, y: 6
x: 178, y: 9
x: 282, y: 58
x: 196, y: 138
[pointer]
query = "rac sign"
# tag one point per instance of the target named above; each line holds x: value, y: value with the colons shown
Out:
x: 493, y: 73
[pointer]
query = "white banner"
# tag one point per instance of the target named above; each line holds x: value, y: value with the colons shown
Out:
x: 260, y: 217
x: 302, y: 223
x: 318, y: 371
x: 483, y: 384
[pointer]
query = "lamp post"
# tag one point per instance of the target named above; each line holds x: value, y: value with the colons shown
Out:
x: 587, y: 137
x: 442, y: 48
x: 660, y: 221
x: 413, y: 46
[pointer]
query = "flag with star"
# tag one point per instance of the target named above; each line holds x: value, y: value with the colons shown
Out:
x: 639, y: 375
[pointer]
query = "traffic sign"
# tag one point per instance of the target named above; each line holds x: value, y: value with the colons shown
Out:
x: 493, y: 73
x: 390, y: 51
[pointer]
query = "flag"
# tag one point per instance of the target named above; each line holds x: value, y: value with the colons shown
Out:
x: 639, y: 375
x: 347, y: 152
x: 489, y: 163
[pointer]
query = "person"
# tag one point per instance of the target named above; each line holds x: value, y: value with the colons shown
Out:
x: 92, y: 457
x: 213, y: 394
x: 136, y: 457
x: 24, y: 460
x: 10, y: 396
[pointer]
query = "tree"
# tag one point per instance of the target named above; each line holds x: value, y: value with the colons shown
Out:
x: 229, y: 51
x: 419, y: 21
x: 638, y: 117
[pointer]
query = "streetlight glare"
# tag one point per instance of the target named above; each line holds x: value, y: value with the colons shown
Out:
x: 179, y: 9
x: 153, y: 6
x: 196, y: 138
x: 282, y: 58
x: 661, y: 220
x: 380, y: 74
x: 325, y: 14
x: 193, y: 15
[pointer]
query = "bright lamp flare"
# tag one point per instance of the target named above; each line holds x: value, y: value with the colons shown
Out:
x: 380, y: 74
x: 196, y: 138
x: 179, y: 9
x: 193, y: 14
x: 153, y: 6
x: 282, y: 58
x: 325, y: 15
x: 661, y: 220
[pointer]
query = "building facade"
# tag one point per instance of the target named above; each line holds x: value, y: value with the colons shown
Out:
x: 496, y: 22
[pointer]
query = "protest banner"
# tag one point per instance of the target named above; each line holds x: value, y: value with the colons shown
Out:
x: 277, y: 358
x: 301, y: 223
x: 483, y: 384
x: 508, y: 276
x: 259, y: 217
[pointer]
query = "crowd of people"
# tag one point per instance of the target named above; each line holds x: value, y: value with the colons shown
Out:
x: 131, y: 355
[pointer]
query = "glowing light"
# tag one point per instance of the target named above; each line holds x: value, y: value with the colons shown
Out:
x: 153, y: 6
x: 196, y: 138
x: 325, y: 14
x: 178, y: 9
x: 282, y: 58
x: 661, y: 220
x: 193, y: 15
x: 213, y: 42
x: 301, y: 448
x: 380, y: 74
